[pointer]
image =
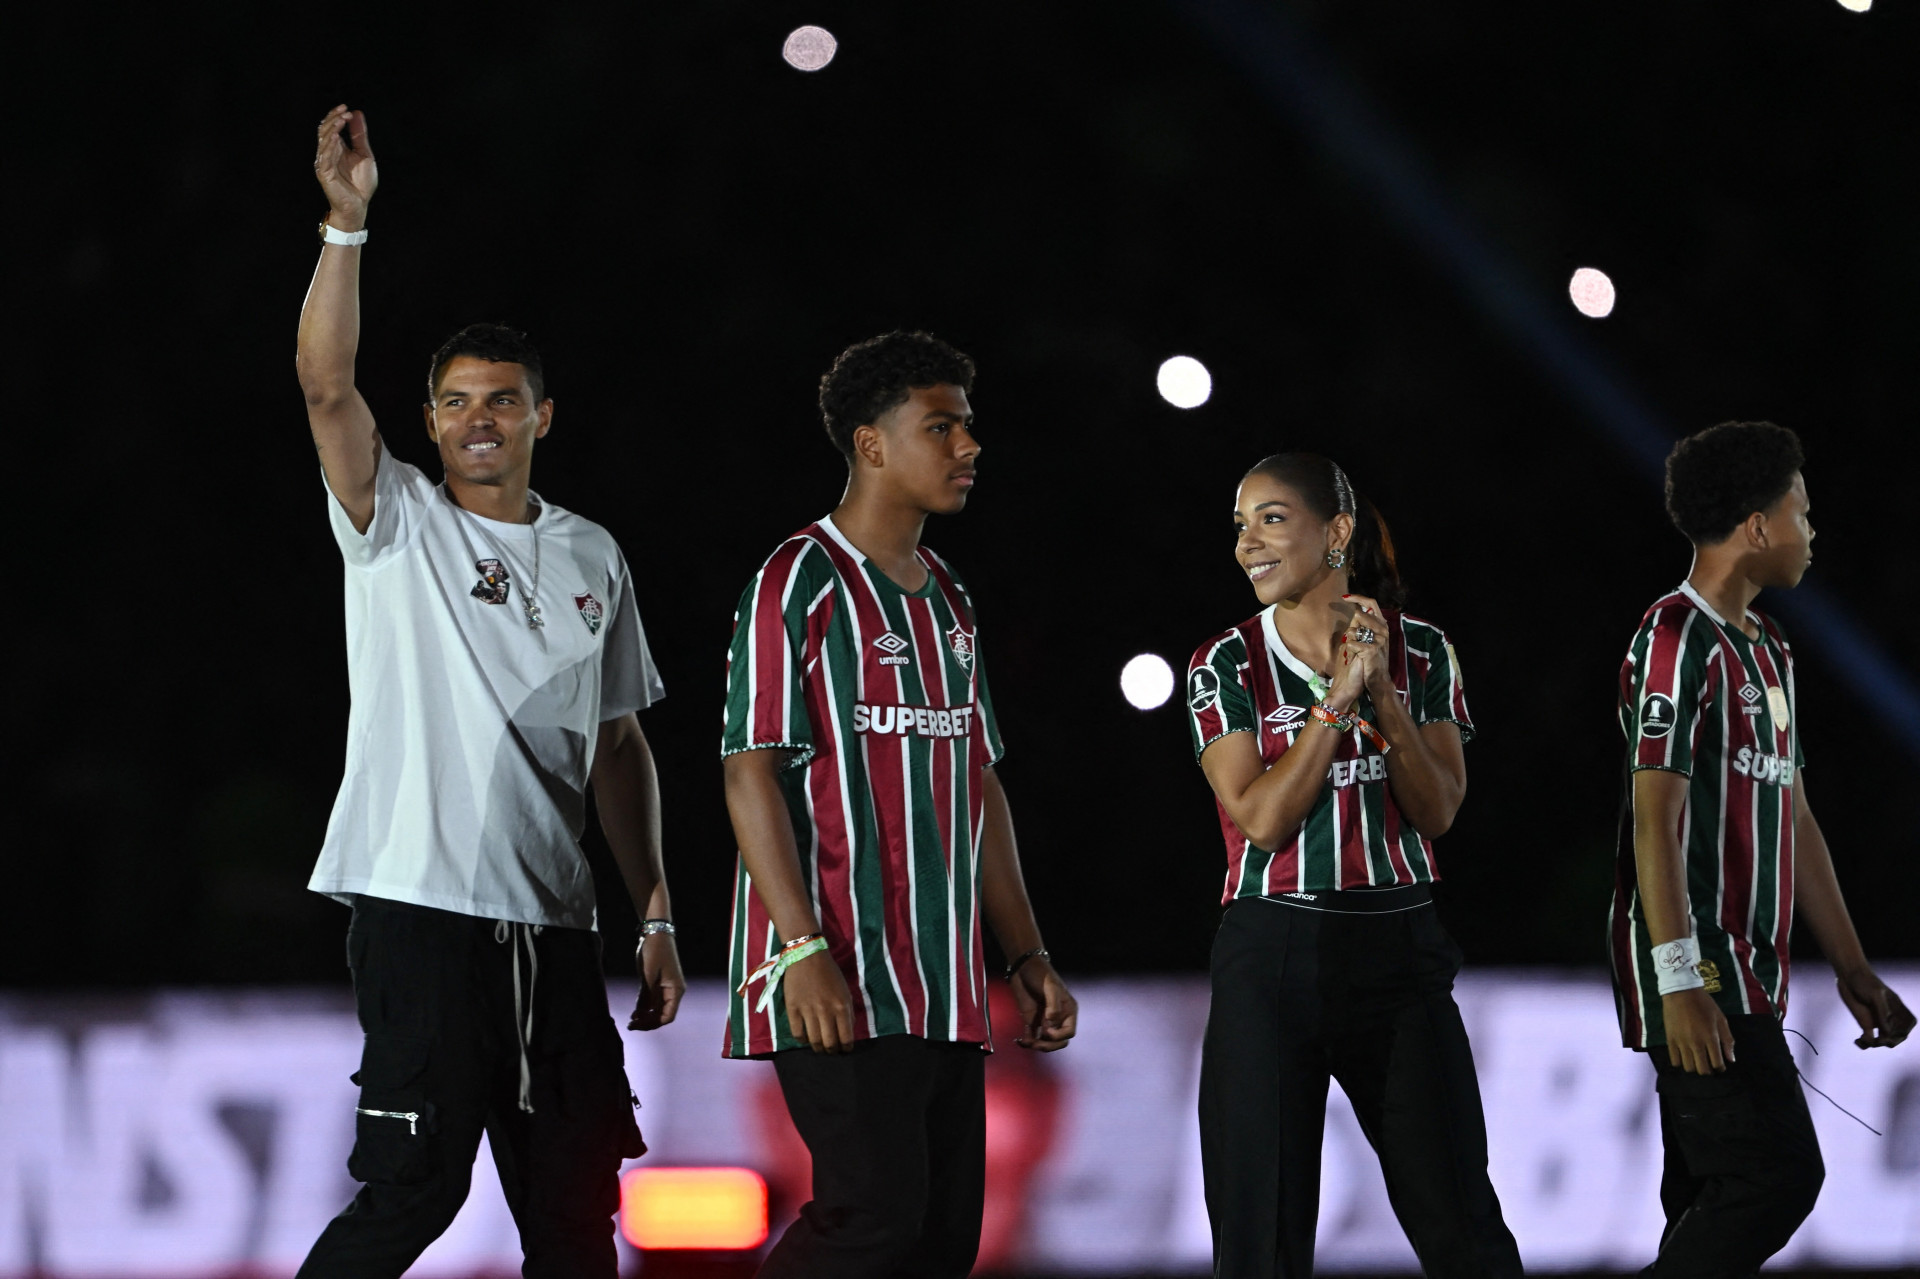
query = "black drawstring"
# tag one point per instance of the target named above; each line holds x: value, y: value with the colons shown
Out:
x: 1830, y: 1101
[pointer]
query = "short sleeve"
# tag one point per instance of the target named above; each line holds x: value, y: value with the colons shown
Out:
x: 1670, y: 688
x: 1217, y: 703
x: 766, y: 666
x: 1441, y: 694
x: 401, y: 495
x: 629, y: 681
x: 1793, y: 708
x: 989, y: 722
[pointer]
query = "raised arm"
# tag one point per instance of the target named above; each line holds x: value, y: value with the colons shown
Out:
x: 343, y: 429
x: 1884, y: 1019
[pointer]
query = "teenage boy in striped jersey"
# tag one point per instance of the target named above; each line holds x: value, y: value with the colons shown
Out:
x: 859, y: 748
x: 1723, y: 848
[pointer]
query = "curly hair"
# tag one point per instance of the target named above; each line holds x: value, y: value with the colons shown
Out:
x: 1326, y: 491
x: 495, y: 342
x: 1719, y: 476
x: 879, y: 374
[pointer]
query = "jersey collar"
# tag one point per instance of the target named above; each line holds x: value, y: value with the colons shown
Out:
x: 859, y: 557
x: 1285, y: 654
x: 1700, y: 602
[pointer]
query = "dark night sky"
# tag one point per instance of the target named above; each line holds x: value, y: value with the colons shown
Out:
x: 1070, y: 193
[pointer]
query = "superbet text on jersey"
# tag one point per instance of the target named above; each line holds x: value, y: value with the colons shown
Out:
x: 1247, y: 681
x: 877, y: 693
x: 1699, y: 698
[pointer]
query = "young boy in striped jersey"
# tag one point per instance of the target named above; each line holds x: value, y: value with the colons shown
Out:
x: 859, y: 747
x: 1723, y: 847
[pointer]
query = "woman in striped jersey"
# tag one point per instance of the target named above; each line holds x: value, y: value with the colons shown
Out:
x: 1330, y: 727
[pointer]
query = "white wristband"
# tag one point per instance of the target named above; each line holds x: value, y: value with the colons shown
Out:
x: 1677, y: 965
x: 334, y: 235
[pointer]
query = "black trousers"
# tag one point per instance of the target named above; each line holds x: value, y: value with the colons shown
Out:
x: 1743, y: 1165
x: 898, y: 1133
x: 1362, y: 993
x: 436, y: 994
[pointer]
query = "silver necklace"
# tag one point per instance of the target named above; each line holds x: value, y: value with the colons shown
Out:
x: 535, y: 621
x: 532, y: 610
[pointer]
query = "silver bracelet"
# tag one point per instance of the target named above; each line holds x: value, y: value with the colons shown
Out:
x: 1038, y: 952
x: 652, y: 927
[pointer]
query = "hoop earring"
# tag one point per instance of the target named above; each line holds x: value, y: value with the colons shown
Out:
x: 1337, y: 557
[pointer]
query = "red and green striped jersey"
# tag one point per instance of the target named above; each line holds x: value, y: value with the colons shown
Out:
x: 1699, y: 698
x: 878, y: 694
x: 1246, y: 681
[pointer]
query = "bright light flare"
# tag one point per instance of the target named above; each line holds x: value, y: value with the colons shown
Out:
x: 1147, y: 681
x: 1858, y: 6
x: 1592, y: 292
x: 717, y: 1209
x: 1184, y: 382
x: 809, y: 48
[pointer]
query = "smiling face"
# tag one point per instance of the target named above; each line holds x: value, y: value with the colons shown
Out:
x: 923, y: 451
x: 485, y: 421
x: 1281, y: 544
x: 1788, y: 536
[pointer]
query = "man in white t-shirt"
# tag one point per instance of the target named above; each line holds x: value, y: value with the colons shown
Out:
x: 496, y: 661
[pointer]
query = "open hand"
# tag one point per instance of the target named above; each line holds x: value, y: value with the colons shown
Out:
x: 345, y: 166
x: 1048, y: 1011
x: 662, y: 984
x: 1884, y: 1020
x: 1699, y: 1040
x: 819, y: 1005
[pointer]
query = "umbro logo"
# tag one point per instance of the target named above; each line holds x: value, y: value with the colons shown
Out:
x: 1751, y: 695
x: 891, y: 644
x: 1284, y: 717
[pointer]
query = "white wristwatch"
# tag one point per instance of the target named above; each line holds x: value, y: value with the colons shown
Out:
x: 334, y: 235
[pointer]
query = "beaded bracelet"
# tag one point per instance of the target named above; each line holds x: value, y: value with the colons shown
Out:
x: 1348, y: 720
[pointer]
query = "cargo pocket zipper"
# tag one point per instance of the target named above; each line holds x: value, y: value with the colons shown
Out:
x: 411, y: 1116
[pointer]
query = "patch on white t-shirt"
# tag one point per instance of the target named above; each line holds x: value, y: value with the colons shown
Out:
x: 471, y: 732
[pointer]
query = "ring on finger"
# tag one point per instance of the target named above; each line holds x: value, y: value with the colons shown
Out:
x: 1362, y: 635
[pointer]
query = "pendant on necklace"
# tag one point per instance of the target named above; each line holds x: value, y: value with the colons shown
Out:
x: 534, y: 620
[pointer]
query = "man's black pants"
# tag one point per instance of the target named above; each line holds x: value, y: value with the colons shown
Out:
x: 1362, y: 993
x: 898, y: 1133
x: 441, y: 998
x: 1743, y: 1165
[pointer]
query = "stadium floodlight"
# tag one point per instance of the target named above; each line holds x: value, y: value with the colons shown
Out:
x: 1592, y: 292
x: 1184, y: 382
x: 809, y: 48
x: 1147, y: 681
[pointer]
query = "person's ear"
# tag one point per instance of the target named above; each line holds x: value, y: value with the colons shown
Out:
x: 546, y: 419
x: 870, y: 445
x: 433, y: 432
x: 1755, y: 527
x: 1340, y: 532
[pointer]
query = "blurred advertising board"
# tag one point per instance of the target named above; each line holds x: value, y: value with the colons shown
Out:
x: 197, y: 1134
